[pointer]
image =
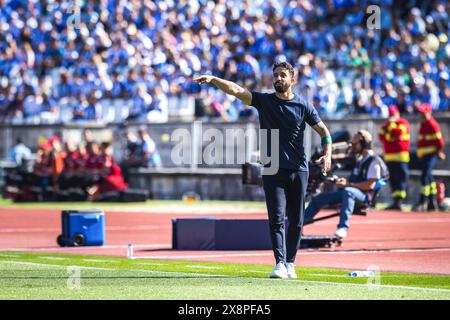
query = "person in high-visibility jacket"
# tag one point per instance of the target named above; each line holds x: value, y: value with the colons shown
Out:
x: 430, y: 148
x: 395, y: 136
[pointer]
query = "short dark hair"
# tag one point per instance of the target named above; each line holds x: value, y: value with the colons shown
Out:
x: 285, y: 65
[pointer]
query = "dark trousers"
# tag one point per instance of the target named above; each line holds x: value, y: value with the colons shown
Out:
x: 398, y: 178
x: 429, y: 189
x: 285, y: 196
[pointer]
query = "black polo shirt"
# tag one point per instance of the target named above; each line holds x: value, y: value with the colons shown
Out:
x: 289, y: 116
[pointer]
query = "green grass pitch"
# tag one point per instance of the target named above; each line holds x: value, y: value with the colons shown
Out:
x: 52, y: 276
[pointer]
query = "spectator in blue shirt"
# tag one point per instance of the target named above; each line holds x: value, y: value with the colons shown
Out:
x: 321, y: 110
x: 149, y: 155
x: 88, y: 109
x: 180, y: 40
x: 141, y: 102
x: 92, y: 110
x: 19, y: 152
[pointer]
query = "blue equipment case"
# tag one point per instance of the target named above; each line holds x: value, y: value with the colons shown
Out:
x: 82, y: 228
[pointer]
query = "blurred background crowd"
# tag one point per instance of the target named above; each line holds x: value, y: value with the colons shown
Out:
x: 144, y: 53
x: 65, y: 170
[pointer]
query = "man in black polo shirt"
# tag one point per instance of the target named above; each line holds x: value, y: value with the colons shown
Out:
x: 285, y: 188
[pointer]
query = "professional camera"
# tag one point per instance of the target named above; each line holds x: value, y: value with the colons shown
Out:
x: 252, y: 175
x: 317, y: 177
x: 340, y: 160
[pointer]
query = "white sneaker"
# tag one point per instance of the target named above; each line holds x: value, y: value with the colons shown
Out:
x: 341, y: 233
x: 279, y: 271
x: 290, y: 268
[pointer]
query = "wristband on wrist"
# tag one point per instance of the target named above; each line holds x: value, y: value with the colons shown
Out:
x: 326, y: 140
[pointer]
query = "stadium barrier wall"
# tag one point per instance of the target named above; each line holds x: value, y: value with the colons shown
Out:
x: 226, y: 184
x: 162, y: 132
x: 210, y: 182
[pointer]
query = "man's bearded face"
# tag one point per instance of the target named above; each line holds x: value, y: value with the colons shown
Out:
x: 282, y: 80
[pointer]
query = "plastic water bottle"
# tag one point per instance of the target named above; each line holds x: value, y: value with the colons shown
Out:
x: 130, y: 251
x: 365, y: 273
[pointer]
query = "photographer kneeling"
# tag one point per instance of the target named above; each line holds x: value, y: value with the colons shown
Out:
x: 360, y: 187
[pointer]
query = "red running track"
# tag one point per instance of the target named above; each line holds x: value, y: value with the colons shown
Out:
x: 393, y: 241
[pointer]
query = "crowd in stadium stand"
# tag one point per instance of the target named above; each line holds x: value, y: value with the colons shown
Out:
x: 145, y: 52
x: 141, y: 152
x: 65, y: 170
x: 68, y: 171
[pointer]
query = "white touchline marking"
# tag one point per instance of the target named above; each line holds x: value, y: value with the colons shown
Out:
x: 51, y: 258
x: 151, y: 264
x: 111, y: 269
x: 346, y: 276
x: 204, y: 275
x: 124, y: 246
x: 53, y: 265
x: 207, y: 256
x: 385, y: 286
x: 100, y: 261
x: 202, y: 267
x: 9, y: 255
x: 327, y: 275
x: 33, y: 264
x: 225, y: 255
